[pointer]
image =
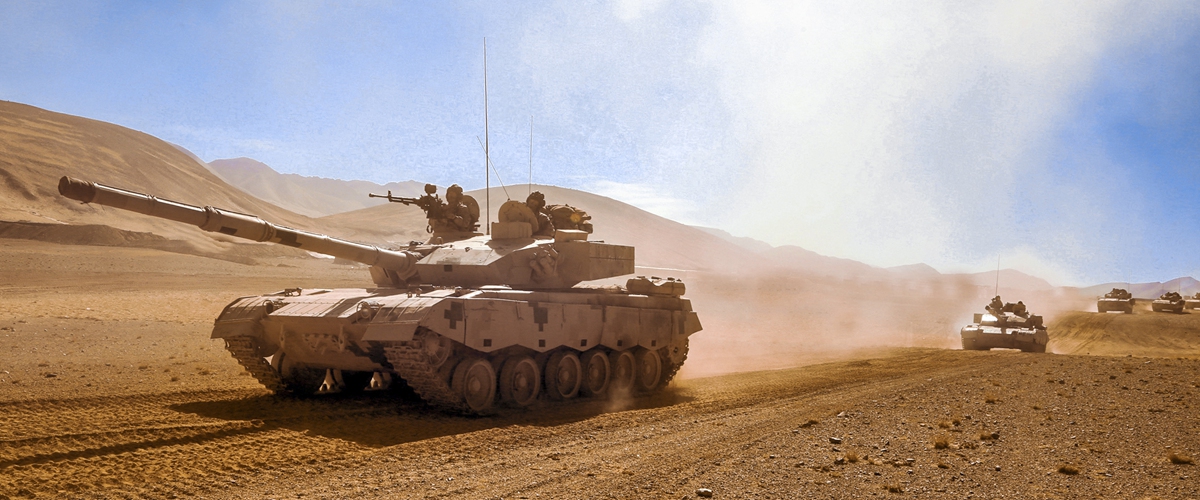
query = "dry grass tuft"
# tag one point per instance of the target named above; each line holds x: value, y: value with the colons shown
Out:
x: 809, y: 423
x: 1069, y: 470
x: 944, y: 424
x: 970, y: 445
x: 893, y: 488
x: 990, y: 398
x: 957, y: 422
x: 1180, y: 459
x: 852, y: 457
x: 943, y: 465
x: 941, y: 442
x: 988, y: 436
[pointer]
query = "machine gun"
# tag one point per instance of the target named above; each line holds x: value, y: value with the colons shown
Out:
x: 433, y: 206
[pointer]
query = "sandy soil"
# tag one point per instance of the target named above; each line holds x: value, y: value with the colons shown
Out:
x: 110, y: 387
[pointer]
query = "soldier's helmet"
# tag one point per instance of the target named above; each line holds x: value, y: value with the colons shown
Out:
x: 430, y: 189
x: 454, y: 193
x: 536, y: 200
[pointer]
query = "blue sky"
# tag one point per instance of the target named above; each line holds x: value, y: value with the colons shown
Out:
x: 1064, y: 137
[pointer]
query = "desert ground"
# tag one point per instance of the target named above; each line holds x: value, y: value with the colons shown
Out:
x: 110, y: 388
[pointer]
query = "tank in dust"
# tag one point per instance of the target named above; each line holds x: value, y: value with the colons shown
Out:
x: 1006, y: 326
x: 467, y: 321
x: 1168, y: 302
x: 1118, y: 299
x: 1192, y: 302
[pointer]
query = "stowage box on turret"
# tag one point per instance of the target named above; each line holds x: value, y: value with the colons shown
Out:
x: 1006, y: 326
x: 467, y: 321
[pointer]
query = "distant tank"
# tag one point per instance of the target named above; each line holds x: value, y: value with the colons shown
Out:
x: 1118, y: 299
x: 1168, y: 302
x: 1007, y: 326
x: 467, y: 321
x: 1192, y: 302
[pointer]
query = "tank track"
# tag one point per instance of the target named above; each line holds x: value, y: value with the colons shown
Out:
x: 245, y: 351
x: 675, y: 366
x: 424, y: 379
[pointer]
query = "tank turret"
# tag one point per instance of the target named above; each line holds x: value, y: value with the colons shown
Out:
x: 513, y: 257
x: 467, y: 321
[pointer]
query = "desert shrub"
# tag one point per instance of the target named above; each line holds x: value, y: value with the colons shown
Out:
x: 1069, y: 470
x: 941, y: 442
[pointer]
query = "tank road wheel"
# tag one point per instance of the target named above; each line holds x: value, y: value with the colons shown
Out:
x: 564, y: 375
x: 475, y: 380
x: 596, y: 372
x: 624, y: 372
x: 519, y: 381
x: 649, y: 370
x: 298, y: 380
x: 1036, y: 347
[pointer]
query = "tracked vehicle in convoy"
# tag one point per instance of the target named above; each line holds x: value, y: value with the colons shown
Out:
x: 1168, y: 302
x: 1006, y: 326
x: 1118, y: 299
x: 468, y: 321
x: 1192, y: 302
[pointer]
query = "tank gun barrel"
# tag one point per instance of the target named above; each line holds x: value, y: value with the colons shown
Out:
x: 246, y: 226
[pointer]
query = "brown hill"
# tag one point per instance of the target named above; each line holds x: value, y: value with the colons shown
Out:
x: 39, y: 146
x: 311, y: 196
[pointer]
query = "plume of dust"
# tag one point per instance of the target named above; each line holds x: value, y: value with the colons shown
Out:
x: 772, y: 320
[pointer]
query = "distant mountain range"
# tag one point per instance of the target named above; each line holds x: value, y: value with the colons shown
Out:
x: 311, y: 196
x: 40, y: 146
x: 1185, y: 286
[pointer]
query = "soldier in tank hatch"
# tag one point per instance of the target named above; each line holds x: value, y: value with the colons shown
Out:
x: 537, y: 203
x: 457, y: 213
x: 996, y: 306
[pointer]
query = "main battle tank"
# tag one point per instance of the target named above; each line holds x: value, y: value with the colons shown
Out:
x: 466, y: 320
x: 1007, y: 326
x: 1168, y: 302
x: 1118, y: 299
x: 1192, y: 302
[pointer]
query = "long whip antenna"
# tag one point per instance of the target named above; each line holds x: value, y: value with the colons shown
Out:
x: 531, y: 154
x: 497, y: 172
x: 997, y: 274
x: 487, y: 157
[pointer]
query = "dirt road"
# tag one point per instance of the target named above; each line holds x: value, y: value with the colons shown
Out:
x: 109, y: 388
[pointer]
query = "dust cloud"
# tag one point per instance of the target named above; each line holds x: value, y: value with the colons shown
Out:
x: 781, y: 319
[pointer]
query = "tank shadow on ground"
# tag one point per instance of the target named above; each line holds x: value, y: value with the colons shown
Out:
x: 388, y: 419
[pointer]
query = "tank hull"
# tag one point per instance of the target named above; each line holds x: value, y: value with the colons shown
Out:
x: 1122, y: 305
x: 308, y: 341
x: 1191, y: 304
x: 1167, y: 306
x: 981, y: 338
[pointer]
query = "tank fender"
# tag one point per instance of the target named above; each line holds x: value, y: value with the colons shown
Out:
x: 241, y: 318
x: 398, y: 321
x: 691, y: 323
